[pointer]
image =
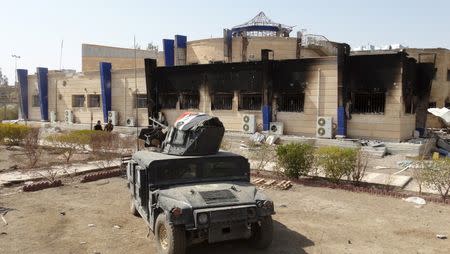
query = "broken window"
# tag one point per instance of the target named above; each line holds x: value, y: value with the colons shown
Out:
x: 93, y: 101
x: 369, y: 102
x: 189, y: 100
x: 250, y: 101
x: 291, y: 102
x: 140, y: 101
x: 35, y: 101
x: 222, y: 101
x: 77, y: 101
x: 168, y: 100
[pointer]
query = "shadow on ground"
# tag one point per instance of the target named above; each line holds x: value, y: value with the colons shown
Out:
x: 284, y: 241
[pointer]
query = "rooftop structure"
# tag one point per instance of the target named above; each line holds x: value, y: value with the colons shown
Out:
x: 261, y: 26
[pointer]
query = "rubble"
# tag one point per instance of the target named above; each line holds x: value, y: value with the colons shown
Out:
x: 415, y: 200
x: 440, y: 236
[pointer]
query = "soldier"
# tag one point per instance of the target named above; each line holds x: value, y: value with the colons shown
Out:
x: 98, y: 126
x: 109, y: 126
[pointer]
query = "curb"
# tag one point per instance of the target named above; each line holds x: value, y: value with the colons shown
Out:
x: 101, y: 175
x: 41, y: 185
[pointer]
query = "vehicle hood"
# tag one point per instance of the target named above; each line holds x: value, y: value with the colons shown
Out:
x: 211, y: 194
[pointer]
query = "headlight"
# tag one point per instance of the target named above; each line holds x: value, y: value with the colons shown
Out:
x: 202, y: 218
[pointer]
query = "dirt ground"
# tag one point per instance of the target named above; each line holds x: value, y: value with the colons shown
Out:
x: 308, y: 220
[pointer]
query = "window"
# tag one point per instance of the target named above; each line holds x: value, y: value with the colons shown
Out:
x: 410, y: 104
x: 250, y: 101
x: 77, y: 101
x: 168, y: 100
x: 222, y: 101
x: 189, y: 100
x: 93, y: 100
x: 370, y: 102
x: 140, y: 101
x: 448, y: 75
x: 35, y: 102
x: 291, y: 102
x: 431, y: 104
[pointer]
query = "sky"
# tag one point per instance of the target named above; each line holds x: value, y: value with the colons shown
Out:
x: 34, y: 29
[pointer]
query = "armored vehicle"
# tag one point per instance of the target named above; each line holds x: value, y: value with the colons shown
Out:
x: 191, y: 192
x: 191, y: 199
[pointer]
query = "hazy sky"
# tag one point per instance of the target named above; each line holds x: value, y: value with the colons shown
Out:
x: 34, y: 29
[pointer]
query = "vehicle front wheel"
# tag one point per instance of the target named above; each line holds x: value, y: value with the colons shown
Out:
x: 170, y: 239
x: 262, y: 233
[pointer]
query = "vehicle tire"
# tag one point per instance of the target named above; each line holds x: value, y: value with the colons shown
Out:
x: 170, y: 239
x: 133, y: 209
x: 262, y: 233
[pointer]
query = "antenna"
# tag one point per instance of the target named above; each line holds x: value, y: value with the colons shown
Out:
x: 60, y: 55
x: 137, y: 97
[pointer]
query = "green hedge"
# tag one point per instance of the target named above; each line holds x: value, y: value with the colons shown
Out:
x: 295, y: 158
x: 13, y: 134
x: 336, y: 162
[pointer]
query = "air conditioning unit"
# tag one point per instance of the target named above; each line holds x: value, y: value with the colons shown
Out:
x: 276, y: 128
x: 249, y: 124
x: 324, y: 127
x: 68, y: 116
x: 131, y: 122
x: 113, y: 116
x: 52, y: 116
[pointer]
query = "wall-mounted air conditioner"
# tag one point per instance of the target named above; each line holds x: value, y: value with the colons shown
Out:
x: 324, y: 127
x: 113, y: 116
x: 248, y: 123
x: 68, y: 116
x: 52, y: 116
x: 276, y: 128
x: 131, y: 122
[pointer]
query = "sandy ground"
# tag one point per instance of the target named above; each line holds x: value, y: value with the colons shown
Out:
x: 308, y: 220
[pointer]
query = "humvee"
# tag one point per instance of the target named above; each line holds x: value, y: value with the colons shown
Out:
x: 191, y: 199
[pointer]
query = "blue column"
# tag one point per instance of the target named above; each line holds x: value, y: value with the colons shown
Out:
x: 42, y: 79
x: 168, y: 46
x: 267, y: 116
x: 22, y: 76
x: 105, y: 83
x: 341, y: 122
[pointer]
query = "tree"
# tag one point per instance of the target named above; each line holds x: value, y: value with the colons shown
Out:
x: 3, y: 79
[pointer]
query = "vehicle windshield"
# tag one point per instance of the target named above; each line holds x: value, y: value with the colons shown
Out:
x: 191, y: 170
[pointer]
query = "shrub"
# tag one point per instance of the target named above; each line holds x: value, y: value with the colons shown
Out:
x: 359, y: 170
x: 13, y: 134
x: 295, y: 158
x: 336, y: 161
x: 31, y: 147
x: 436, y: 175
x: 262, y: 154
x: 69, y: 143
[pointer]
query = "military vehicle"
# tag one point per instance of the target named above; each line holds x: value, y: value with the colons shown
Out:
x: 189, y: 194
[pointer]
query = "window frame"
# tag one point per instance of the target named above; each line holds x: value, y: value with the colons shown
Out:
x: 74, y: 100
x: 369, y: 98
x: 282, y: 104
x: 138, y: 98
x: 163, y: 100
x: 35, y: 103
x: 188, y: 105
x: 89, y: 97
x: 253, y: 94
x: 223, y: 106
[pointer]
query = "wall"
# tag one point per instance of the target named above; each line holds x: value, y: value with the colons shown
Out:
x: 120, y: 58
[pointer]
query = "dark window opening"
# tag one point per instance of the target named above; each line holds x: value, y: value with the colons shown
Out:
x: 291, y: 102
x: 93, y: 101
x: 222, y: 101
x: 447, y: 104
x: 250, y: 101
x: 448, y: 75
x: 410, y: 105
x: 77, y: 101
x: 432, y: 104
x: 140, y: 101
x: 189, y: 100
x: 372, y: 103
x: 168, y: 100
x: 35, y: 101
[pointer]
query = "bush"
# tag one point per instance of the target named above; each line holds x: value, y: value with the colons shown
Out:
x: 69, y: 143
x: 359, y: 170
x: 336, y: 161
x: 13, y: 134
x: 436, y: 175
x: 31, y: 147
x: 295, y: 158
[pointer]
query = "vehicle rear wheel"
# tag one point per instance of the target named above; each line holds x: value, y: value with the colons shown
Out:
x: 133, y: 209
x: 262, y: 233
x: 170, y: 239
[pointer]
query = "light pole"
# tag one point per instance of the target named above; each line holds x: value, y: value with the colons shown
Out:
x: 16, y: 57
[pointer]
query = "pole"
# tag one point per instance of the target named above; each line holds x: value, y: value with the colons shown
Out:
x: 136, y: 91
x: 60, y: 55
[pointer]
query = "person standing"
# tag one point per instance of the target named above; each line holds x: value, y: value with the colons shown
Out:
x: 98, y: 126
x: 109, y: 126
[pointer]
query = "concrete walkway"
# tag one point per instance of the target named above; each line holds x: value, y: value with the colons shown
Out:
x: 38, y: 174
